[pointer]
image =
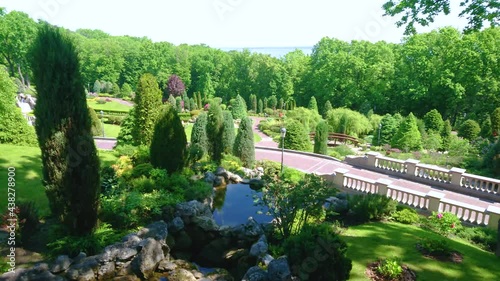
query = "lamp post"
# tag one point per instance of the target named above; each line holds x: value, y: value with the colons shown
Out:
x: 283, y: 134
x: 102, y: 122
x: 379, y: 129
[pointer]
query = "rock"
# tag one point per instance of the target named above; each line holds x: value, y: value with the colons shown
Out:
x: 109, y: 253
x: 84, y: 270
x: 219, y: 181
x: 157, y: 230
x: 209, y: 177
x: 279, y: 270
x: 126, y: 254
x: 126, y: 278
x: 259, y: 249
x: 61, y: 263
x: 151, y: 253
x: 337, y: 205
x: 183, y: 241
x: 220, y: 275
x: 252, y: 229
x: 106, y: 271
x: 267, y: 259
x: 181, y: 274
x: 188, y: 210
x: 206, y: 223
x: 232, y: 256
x: 166, y: 265
x: 123, y: 268
x: 256, y: 184
x: 222, y: 172
x: 176, y: 225
x: 38, y: 275
x: 260, y: 170
x: 131, y: 240
x: 247, y: 172
x: 212, y: 255
x: 255, y: 273
x: 79, y: 258
x: 234, y: 177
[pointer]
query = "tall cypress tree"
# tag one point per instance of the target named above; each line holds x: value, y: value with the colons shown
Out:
x: 199, y: 133
x: 239, y: 108
x: 69, y: 157
x: 321, y: 138
x: 168, y: 146
x: 215, y: 121
x: 148, y: 100
x: 228, y: 134
x: 261, y: 107
x: 244, y: 143
x: 313, y: 105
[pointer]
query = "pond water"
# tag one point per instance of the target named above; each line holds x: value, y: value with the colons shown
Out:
x: 234, y: 204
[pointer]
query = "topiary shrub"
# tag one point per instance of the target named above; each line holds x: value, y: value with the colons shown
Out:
x: 369, y: 207
x: 318, y: 253
x: 321, y: 138
x: 228, y: 135
x: 433, y: 121
x: 297, y: 137
x: 239, y: 108
x: 469, y: 130
x: 215, y: 121
x: 244, y: 147
x: 408, y: 136
x: 406, y: 216
x: 125, y: 136
x: 96, y: 125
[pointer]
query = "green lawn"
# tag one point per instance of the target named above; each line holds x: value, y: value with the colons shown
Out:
x: 112, y: 105
x: 368, y: 242
x: 111, y: 131
x: 28, y: 165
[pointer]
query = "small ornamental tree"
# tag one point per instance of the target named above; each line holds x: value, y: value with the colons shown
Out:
x: 192, y: 104
x: 297, y: 137
x: 469, y: 130
x: 281, y: 104
x: 446, y: 135
x: 388, y: 128
x: 408, y: 137
x: 239, y: 108
x: 179, y: 104
x: 126, y: 90
x: 116, y: 90
x: 253, y: 102
x: 228, y: 134
x: 147, y: 104
x: 97, y: 87
x: 168, y: 146
x: 272, y: 102
x: 495, y: 122
x: 175, y: 86
x: 326, y: 108
x: 261, y: 107
x: 70, y: 162
x: 486, y: 128
x: 244, y: 147
x: 96, y: 125
x: 433, y: 121
x: 215, y: 122
x: 187, y: 105
x: 199, y: 101
x: 199, y: 134
x: 313, y: 105
x: 321, y: 138
x: 125, y: 136
x: 171, y: 100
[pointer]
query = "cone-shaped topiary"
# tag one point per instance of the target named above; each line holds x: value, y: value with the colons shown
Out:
x: 168, y: 146
x: 408, y: 136
x: 215, y: 122
x: 470, y: 130
x: 228, y: 134
x: 69, y: 157
x: 321, y: 138
x: 199, y: 133
x: 244, y: 143
x: 297, y: 136
x: 239, y: 108
x: 147, y: 104
x: 433, y: 121
x: 96, y: 124
x: 313, y: 105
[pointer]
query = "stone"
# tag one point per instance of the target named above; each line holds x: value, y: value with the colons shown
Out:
x: 256, y: 184
x: 125, y: 254
x: 232, y: 256
x: 255, y: 273
x: 106, y: 271
x: 234, y: 178
x: 337, y: 205
x: 166, y: 265
x: 126, y: 278
x: 123, y: 268
x: 188, y: 210
x: 80, y: 257
x: 84, y: 270
x: 176, y: 225
x: 249, y: 173
x: 131, y: 240
x: 206, y: 223
x: 151, y: 253
x: 209, y: 177
x: 219, y: 181
x: 266, y: 259
x: 109, y: 253
x: 61, y: 263
x: 220, y: 275
x: 197, y: 274
x: 252, y: 228
x: 157, y: 230
x: 37, y: 275
x: 260, y: 169
x: 222, y: 172
x: 259, y: 249
x: 212, y: 255
x: 183, y: 241
x: 279, y: 270
x: 181, y: 274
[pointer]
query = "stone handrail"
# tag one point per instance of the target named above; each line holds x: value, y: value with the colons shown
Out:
x: 391, y: 164
x: 483, y: 184
x: 433, y: 173
x: 432, y: 201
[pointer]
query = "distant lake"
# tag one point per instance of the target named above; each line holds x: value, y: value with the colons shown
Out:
x: 276, y: 52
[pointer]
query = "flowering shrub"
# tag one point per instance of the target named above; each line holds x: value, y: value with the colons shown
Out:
x: 443, y: 223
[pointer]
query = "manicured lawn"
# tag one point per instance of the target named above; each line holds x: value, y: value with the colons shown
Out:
x: 368, y: 242
x: 112, y: 105
x: 111, y: 131
x: 28, y: 165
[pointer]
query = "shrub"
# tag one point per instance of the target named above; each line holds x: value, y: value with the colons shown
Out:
x: 96, y: 125
x: 244, y: 147
x: 115, y: 120
x: 313, y: 105
x: 406, y: 216
x: 484, y: 237
x: 408, y: 136
x: 342, y: 151
x: 239, y: 108
x: 390, y: 268
x: 228, y: 135
x: 346, y: 121
x: 469, y: 130
x: 148, y: 100
x: 125, y: 136
x: 314, y: 241
x: 495, y: 121
x: 297, y: 137
x: 307, y: 117
x: 231, y: 163
x: 215, y: 120
x: 371, y: 207
x: 433, y: 121
x: 28, y: 220
x: 198, y: 190
x: 109, y: 181
x: 268, y: 111
x: 199, y: 134
x: 140, y: 170
x: 443, y: 223
x: 141, y: 155
x: 437, y: 247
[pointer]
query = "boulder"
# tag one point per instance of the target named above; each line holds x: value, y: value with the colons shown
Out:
x: 125, y: 254
x: 166, y: 265
x: 255, y: 273
x: 123, y: 268
x: 259, y: 248
x: 61, y: 263
x: 222, y: 172
x: 206, y: 223
x: 212, y: 255
x: 188, y: 210
x: 209, y: 177
x: 234, y: 178
x: 157, y: 230
x: 249, y: 173
x: 256, y: 184
x: 252, y: 229
x: 84, y: 270
x: 131, y: 240
x: 219, y: 181
x: 151, y: 253
x: 106, y: 271
x: 183, y: 241
x: 232, y: 256
x: 181, y: 274
x: 279, y: 270
x: 175, y: 225
x: 37, y: 275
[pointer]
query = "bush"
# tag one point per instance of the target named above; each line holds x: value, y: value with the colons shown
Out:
x: 239, y: 108
x: 125, y: 150
x: 198, y: 190
x: 28, y: 220
x: 141, y: 155
x: 228, y: 135
x: 314, y: 241
x: 371, y: 207
x: 469, y: 130
x: 408, y: 136
x: 390, y: 268
x: 115, y: 120
x: 143, y: 169
x: 231, y: 163
x: 109, y: 181
x: 485, y: 238
x: 96, y: 125
x: 297, y: 137
x: 321, y: 138
x: 406, y: 216
x: 443, y: 223
x: 437, y: 247
x: 244, y: 146
x: 125, y: 136
x: 268, y: 111
x: 143, y: 184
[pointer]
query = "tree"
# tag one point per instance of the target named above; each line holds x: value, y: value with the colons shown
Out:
x: 147, y: 103
x: 174, y: 86
x: 297, y: 137
x: 261, y: 107
x: 228, y: 134
x: 326, y: 108
x: 321, y: 138
x: 253, y: 102
x: 346, y: 121
x: 313, y: 105
x: 126, y: 134
x: 116, y: 90
x: 168, y: 146
x: 179, y: 104
x: 126, y: 90
x: 423, y: 12
x: 96, y: 125
x: 495, y: 122
x: 408, y: 137
x: 187, y: 105
x: 244, y: 147
x: 446, y: 135
x: 433, y: 121
x: 389, y: 127
x: 14, y: 128
x: 239, y: 108
x: 97, y: 87
x: 192, y: 104
x: 469, y: 130
x: 199, y: 134
x: 69, y: 157
x: 215, y: 122
x: 486, y: 128
x: 172, y: 100
x: 272, y: 102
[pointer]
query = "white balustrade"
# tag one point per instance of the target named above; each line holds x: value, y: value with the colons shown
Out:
x: 360, y: 184
x: 465, y: 212
x: 407, y: 196
x: 483, y: 184
x: 433, y: 173
x: 391, y: 164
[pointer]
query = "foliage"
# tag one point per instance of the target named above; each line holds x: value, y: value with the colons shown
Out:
x: 432, y: 141
x: 272, y: 102
x: 389, y: 127
x: 292, y: 204
x: 433, y: 121
x: 96, y: 125
x: 492, y: 158
x: 458, y: 146
x: 215, y: 122
x: 443, y: 223
x: 28, y: 219
x: 446, y: 135
x: 313, y: 105
x: 231, y: 163
x: 69, y: 156
x: 484, y: 237
x: 369, y: 207
x: 408, y: 136
x: 199, y: 140
x: 406, y: 216
x: 126, y: 90
x: 469, y: 130
x: 438, y: 247
x: 228, y: 135
x: 341, y: 151
x: 318, y: 253
x: 198, y: 190
x: 239, y: 108
x: 296, y: 138
x: 307, y: 117
x: 390, y: 268
x: 168, y: 146
x: 244, y: 147
x: 260, y: 109
x: 326, y: 109
x: 495, y: 121
x: 147, y: 105
x: 486, y: 131
x: 125, y: 137
x: 321, y: 138
x: 346, y: 121
x: 175, y: 86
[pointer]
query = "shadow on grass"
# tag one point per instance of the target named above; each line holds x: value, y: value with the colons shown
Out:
x: 370, y: 241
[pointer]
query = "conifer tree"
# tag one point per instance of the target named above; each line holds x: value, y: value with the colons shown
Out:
x: 328, y: 107
x: 228, y: 134
x: 313, y: 105
x: 199, y: 134
x: 96, y: 124
x: 433, y: 121
x: 408, y: 136
x: 495, y: 122
x: 148, y: 100
x: 215, y: 122
x: 446, y: 135
x: 261, y: 107
x: 244, y: 147
x: 321, y: 138
x: 239, y: 108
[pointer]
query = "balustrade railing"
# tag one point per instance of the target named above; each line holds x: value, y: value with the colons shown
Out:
x: 483, y: 184
x: 391, y: 164
x: 433, y: 173
x: 408, y: 197
x: 465, y: 212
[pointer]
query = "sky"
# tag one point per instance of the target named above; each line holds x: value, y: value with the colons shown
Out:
x: 229, y: 23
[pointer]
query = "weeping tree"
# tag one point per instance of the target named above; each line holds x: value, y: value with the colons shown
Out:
x: 69, y: 157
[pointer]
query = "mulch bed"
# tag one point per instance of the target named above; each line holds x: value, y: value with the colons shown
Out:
x: 372, y: 273
x: 454, y: 256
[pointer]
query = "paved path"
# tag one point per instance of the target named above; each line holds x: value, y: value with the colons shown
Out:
x: 124, y: 102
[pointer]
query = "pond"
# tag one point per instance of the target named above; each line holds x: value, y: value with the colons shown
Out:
x: 234, y: 204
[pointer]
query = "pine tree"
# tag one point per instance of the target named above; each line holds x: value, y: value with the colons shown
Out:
x: 321, y: 138
x: 408, y: 135
x: 446, y: 135
x: 244, y: 147
x: 328, y: 107
x: 69, y: 157
x: 261, y: 109
x: 96, y: 124
x: 147, y: 104
x: 168, y: 146
x: 215, y: 122
x: 389, y: 127
x: 313, y: 105
x: 272, y: 102
x: 179, y: 104
x: 433, y: 121
x: 253, y: 101
x: 486, y: 128
x: 199, y: 137
x: 239, y: 108
x: 265, y: 103
x: 228, y: 134
x: 297, y: 136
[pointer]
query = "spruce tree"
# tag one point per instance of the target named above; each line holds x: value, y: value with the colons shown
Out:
x: 313, y: 105
x: 446, y: 135
x: 171, y: 100
x: 228, y: 134
x: 244, y: 147
x: 200, y: 101
x: 321, y: 138
x: 470, y: 130
x: 168, y: 146
x: 192, y: 104
x: 96, y: 124
x: 126, y: 134
x: 116, y: 90
x: 433, y: 121
x: 97, y: 87
x: 261, y: 107
x: 408, y: 135
x: 297, y: 136
x: 215, y: 122
x: 328, y: 107
x: 69, y: 157
x: 239, y: 108
x: 486, y: 128
x: 199, y: 133
x: 387, y: 131
x: 148, y: 100
x: 187, y: 105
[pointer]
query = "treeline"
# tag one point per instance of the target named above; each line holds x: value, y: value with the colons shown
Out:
x: 457, y: 74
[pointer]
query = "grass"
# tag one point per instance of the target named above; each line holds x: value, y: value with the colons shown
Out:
x: 111, y: 131
x: 28, y: 165
x: 111, y: 105
x: 370, y: 241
